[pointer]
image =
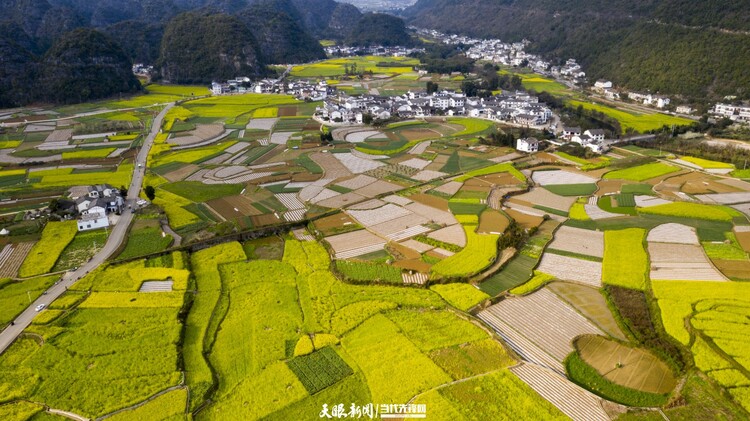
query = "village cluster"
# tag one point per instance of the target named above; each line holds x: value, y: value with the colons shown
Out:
x: 513, y: 107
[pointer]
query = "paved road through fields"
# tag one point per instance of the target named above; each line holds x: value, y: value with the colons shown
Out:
x: 116, y: 237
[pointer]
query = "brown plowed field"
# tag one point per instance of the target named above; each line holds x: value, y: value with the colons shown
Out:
x: 630, y: 367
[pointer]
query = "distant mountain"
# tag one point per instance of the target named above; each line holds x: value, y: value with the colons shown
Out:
x: 281, y: 38
x: 199, y: 48
x: 379, y: 29
x: 140, y: 40
x: 194, y: 41
x: 85, y: 64
x: 686, y: 47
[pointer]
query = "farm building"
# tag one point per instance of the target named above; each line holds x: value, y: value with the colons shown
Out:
x: 529, y: 144
x: 91, y: 221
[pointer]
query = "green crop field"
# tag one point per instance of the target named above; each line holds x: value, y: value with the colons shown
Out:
x: 497, y: 168
x: 14, y: 295
x: 369, y: 271
x: 44, y: 254
x: 642, y: 172
x: 716, y: 311
x: 693, y: 210
x: 199, y: 192
x: 335, y: 67
x: 134, y: 359
x: 320, y: 369
x: 461, y: 296
x: 480, y: 252
x: 625, y: 260
x: 638, y: 122
x: 572, y: 189
x: 84, y: 245
x: 145, y: 237
x: 539, y: 280
x: 88, y: 153
x: 707, y: 164
x: 542, y: 84
x: 472, y: 126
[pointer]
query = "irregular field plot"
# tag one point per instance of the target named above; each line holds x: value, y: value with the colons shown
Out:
x: 681, y: 262
x: 638, y: 369
x: 551, y: 330
x: 642, y: 172
x: 572, y: 269
x: 589, y: 302
x: 576, y: 240
x: 555, y: 177
x: 320, y: 369
x: 90, y: 369
x: 379, y: 336
x: 625, y: 261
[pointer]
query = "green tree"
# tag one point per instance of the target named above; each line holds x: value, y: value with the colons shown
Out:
x: 150, y: 192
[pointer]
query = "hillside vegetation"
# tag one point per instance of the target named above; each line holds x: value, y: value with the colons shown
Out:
x: 675, y: 46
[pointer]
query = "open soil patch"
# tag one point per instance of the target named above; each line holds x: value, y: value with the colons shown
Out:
x: 630, y: 367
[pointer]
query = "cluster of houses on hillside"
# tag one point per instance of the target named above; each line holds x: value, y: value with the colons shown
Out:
x: 607, y: 89
x: 509, y: 54
x: 592, y: 138
x: 303, y: 90
x: 738, y: 113
x: 395, y: 51
x: 519, y: 107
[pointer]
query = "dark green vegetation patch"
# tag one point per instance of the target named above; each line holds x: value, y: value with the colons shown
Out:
x: 320, y: 369
x: 572, y: 189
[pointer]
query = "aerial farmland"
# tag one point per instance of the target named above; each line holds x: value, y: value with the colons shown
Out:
x: 276, y: 262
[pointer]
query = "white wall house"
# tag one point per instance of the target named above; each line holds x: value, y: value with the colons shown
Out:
x: 92, y: 221
x: 529, y: 145
x: 595, y: 134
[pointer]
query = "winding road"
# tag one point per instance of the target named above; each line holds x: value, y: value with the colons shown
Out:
x: 116, y: 237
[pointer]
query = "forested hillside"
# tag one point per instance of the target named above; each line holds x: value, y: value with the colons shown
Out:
x: 199, y: 48
x: 219, y: 39
x: 696, y: 49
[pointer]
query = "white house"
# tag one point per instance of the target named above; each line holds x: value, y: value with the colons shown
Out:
x: 569, y: 132
x: 684, y: 109
x: 603, y: 84
x: 529, y: 145
x: 595, y: 134
x: 91, y: 221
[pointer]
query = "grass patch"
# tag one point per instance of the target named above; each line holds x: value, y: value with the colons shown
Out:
x: 463, y: 208
x: 605, y: 203
x: 642, y: 172
x: 319, y: 369
x: 572, y: 189
x: 369, y: 272
x: 145, y: 240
